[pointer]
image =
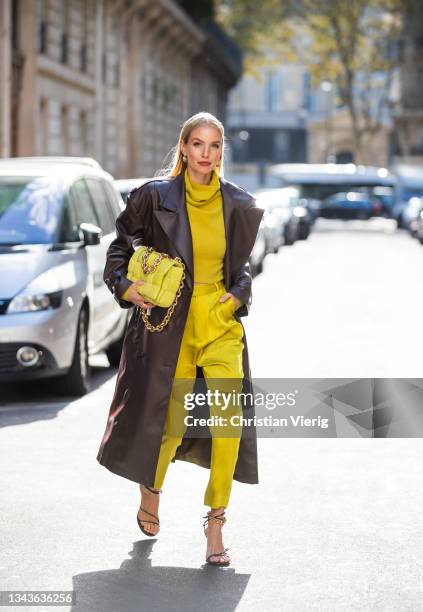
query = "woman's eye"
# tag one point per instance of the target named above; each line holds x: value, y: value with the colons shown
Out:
x: 196, y: 144
x: 216, y: 146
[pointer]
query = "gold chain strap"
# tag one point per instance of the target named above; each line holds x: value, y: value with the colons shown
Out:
x: 148, y: 270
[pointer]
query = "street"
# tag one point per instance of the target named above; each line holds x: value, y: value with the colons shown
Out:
x: 334, y: 523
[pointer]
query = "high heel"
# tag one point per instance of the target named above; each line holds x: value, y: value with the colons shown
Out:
x: 140, y: 521
x: 221, y: 519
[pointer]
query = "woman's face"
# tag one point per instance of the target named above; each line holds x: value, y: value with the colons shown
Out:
x: 203, y: 149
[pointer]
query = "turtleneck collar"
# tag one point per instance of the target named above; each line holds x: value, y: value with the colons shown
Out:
x: 198, y: 194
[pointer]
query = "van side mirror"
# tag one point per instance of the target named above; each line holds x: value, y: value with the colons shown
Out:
x: 91, y: 234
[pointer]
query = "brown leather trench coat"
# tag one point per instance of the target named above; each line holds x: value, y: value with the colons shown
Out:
x: 156, y: 215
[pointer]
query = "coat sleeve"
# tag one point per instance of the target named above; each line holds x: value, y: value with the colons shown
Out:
x: 248, y: 223
x: 241, y: 288
x: 129, y: 227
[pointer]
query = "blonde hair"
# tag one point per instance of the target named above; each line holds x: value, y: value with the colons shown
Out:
x: 177, y: 164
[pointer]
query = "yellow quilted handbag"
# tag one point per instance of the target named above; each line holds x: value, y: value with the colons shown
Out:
x: 164, y: 278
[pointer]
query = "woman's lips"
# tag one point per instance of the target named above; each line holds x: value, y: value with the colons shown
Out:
x: 204, y: 163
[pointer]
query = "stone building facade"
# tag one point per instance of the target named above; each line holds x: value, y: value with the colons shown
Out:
x: 111, y: 79
x: 407, y: 142
x: 331, y: 139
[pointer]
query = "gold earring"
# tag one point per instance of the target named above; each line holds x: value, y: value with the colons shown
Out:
x: 184, y: 159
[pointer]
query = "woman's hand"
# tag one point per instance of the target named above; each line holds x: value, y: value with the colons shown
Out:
x: 134, y: 297
x: 227, y: 296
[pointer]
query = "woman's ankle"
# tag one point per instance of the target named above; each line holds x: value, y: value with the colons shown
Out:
x: 149, y: 489
x: 219, y: 510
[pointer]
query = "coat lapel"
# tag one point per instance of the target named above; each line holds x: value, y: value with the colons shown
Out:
x: 173, y: 218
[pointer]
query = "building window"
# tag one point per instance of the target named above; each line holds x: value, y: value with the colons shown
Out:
x: 240, y: 146
x: 117, y: 74
x: 42, y: 12
x: 64, y: 46
x: 280, y: 147
x: 272, y: 92
x: 65, y: 130
x: 114, y: 50
x: 306, y: 91
x: 344, y: 157
x: 419, y: 137
x: 43, y: 127
x: 85, y: 12
x: 104, y: 67
x: 83, y: 129
x: 83, y: 58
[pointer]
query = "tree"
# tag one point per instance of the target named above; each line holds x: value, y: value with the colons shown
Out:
x: 351, y: 43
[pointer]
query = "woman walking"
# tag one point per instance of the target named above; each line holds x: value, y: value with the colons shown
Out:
x: 211, y: 224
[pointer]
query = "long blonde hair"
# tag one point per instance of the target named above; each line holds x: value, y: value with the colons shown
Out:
x: 177, y: 164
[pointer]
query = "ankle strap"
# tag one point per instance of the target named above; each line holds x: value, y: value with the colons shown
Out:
x: 218, y: 517
x: 156, y: 491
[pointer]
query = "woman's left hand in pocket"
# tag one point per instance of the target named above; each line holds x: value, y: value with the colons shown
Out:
x: 228, y: 296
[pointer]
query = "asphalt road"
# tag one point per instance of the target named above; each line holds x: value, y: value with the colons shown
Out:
x: 334, y: 525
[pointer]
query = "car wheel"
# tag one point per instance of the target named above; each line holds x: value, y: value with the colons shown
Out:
x: 288, y: 239
x: 114, y: 351
x: 77, y: 381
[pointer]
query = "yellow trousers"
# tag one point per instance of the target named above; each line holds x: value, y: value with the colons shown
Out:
x: 212, y: 339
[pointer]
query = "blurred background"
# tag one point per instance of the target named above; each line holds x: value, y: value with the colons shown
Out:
x: 322, y: 104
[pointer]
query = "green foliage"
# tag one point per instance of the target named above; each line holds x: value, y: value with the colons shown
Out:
x: 341, y: 41
x: 253, y: 26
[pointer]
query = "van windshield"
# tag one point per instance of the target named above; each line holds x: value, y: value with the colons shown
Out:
x: 30, y: 210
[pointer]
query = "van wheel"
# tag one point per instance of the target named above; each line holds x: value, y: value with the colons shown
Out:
x: 77, y: 381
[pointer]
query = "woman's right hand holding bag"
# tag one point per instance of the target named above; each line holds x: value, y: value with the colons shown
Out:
x: 132, y: 295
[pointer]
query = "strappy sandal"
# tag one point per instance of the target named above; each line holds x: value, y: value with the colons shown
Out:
x: 140, y: 521
x: 221, y: 520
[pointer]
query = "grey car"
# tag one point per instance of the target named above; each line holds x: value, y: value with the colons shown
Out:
x: 124, y: 186
x: 57, y: 219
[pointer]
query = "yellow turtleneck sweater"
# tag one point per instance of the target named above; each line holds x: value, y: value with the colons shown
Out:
x: 204, y: 206
x: 205, y: 212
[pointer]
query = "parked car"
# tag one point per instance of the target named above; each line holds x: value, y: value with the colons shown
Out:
x: 313, y: 206
x: 124, y: 186
x: 273, y: 223
x: 383, y: 199
x: 347, y: 205
x: 297, y: 213
x: 409, y: 184
x: 320, y: 181
x: 259, y: 251
x: 57, y: 219
x: 305, y: 211
x: 286, y: 217
x: 418, y: 229
x: 410, y: 214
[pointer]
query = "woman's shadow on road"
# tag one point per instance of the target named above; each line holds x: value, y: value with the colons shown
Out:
x: 137, y: 585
